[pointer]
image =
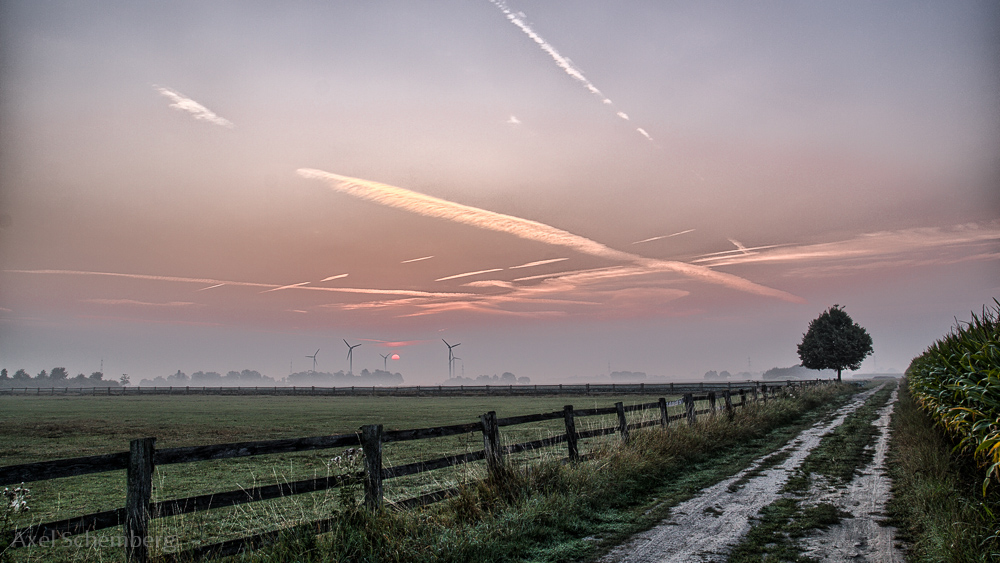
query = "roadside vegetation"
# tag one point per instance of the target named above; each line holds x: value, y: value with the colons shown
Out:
x: 938, y: 503
x: 555, y: 511
x: 945, y: 451
x: 957, y: 382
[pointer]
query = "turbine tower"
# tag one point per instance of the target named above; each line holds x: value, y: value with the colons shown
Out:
x: 313, y: 357
x: 451, y: 357
x: 350, y: 356
x: 385, y: 359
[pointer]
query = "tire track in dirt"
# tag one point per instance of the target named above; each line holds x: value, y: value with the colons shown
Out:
x: 703, y: 528
x: 859, y: 538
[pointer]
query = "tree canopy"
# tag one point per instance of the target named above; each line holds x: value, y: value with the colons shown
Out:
x: 834, y: 341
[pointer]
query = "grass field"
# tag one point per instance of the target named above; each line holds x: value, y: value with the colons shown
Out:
x: 45, y: 428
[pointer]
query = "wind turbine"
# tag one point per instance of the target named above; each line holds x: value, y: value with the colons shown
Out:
x: 385, y: 359
x: 350, y: 356
x: 313, y: 357
x: 451, y: 358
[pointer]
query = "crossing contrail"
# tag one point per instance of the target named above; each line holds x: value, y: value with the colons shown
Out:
x: 517, y: 18
x: 651, y: 239
x: 467, y: 274
x: 539, y: 263
x: 429, y: 206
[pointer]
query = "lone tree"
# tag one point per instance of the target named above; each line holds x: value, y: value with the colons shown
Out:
x: 834, y: 341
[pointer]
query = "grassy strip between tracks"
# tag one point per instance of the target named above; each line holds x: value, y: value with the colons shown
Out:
x: 551, y: 511
x: 837, y: 459
x: 938, y: 503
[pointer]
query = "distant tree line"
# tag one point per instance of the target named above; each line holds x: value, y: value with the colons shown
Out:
x: 507, y: 378
x: 253, y: 378
x: 628, y: 375
x: 341, y: 379
x: 724, y: 375
x: 58, y: 377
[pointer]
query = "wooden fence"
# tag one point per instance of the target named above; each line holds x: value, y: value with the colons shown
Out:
x: 412, y: 390
x: 142, y: 457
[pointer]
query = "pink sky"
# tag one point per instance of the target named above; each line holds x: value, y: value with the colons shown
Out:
x: 558, y: 186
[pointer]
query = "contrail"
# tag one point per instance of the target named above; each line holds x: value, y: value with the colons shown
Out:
x: 198, y: 111
x: 417, y: 259
x: 429, y: 206
x: 739, y: 246
x: 406, y: 292
x: 144, y: 277
x: 300, y: 284
x: 211, y: 287
x: 467, y: 274
x: 539, y: 263
x: 651, y: 239
x: 138, y: 303
x: 337, y: 277
x: 561, y: 61
x: 370, y: 291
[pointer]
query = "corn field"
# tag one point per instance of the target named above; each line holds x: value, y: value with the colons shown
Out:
x: 957, y: 381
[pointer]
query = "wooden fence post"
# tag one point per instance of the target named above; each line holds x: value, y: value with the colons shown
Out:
x: 574, y: 453
x: 689, y: 408
x: 491, y: 443
x: 728, y: 398
x: 754, y: 392
x: 139, y: 477
x: 664, y: 419
x: 371, y: 446
x: 763, y: 391
x: 743, y: 398
x: 622, y: 423
x: 711, y: 402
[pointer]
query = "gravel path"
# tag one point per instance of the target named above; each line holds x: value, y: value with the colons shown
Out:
x: 703, y: 528
x: 860, y: 538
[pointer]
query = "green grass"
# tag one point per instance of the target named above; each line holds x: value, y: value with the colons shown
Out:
x: 543, y: 510
x: 779, y: 525
x: 44, y: 428
x: 938, y: 504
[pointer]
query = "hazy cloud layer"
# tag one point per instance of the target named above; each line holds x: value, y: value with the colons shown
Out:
x: 430, y: 206
x: 878, y: 249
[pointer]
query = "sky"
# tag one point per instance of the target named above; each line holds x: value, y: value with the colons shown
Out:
x: 564, y: 188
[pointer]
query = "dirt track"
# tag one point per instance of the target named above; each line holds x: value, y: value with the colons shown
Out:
x: 705, y: 527
x: 860, y: 538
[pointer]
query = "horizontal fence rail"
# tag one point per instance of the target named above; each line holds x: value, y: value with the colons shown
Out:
x: 140, y: 461
x: 410, y: 390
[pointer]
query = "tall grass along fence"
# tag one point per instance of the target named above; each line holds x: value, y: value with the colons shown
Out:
x: 142, y: 457
x: 957, y: 381
x: 406, y: 391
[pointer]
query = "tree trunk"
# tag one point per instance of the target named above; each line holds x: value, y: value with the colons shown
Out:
x: 838, y: 374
